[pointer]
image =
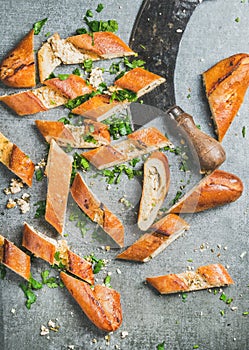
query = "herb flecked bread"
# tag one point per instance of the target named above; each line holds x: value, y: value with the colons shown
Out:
x: 204, y: 277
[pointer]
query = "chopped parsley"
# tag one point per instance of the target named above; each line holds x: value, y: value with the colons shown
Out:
x: 99, y: 8
x: 122, y: 95
x: 28, y: 288
x: 222, y: 312
x: 51, y: 282
x: 244, y: 131
x: 79, y: 163
x: 75, y: 102
x: 39, y: 174
x: 40, y: 211
x: 184, y: 297
x: 118, y: 127
x: 161, y: 346
x: 98, y: 263
x: 107, y: 281
x: 38, y: 26
x: 245, y: 313
x: 114, y: 176
x: 224, y: 298
x: 87, y: 65
x: 177, y: 196
x: 196, y: 346
x: 2, y: 271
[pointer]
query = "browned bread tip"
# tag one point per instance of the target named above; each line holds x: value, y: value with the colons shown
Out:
x: 58, y: 171
x: 139, y: 80
x: 218, y: 188
x: 138, y: 143
x: 156, y: 181
x: 18, y: 68
x: 16, y: 160
x: 226, y: 84
x: 56, y: 252
x: 96, y: 210
x: 204, y: 277
x: 100, y: 304
x: 163, y: 232
x: 14, y: 258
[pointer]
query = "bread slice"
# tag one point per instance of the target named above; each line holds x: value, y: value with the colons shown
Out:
x: 76, y: 49
x: 18, y: 68
x: 34, y: 101
x: 226, y: 84
x: 58, y: 171
x: 204, y: 277
x: 139, y: 80
x: 99, y: 107
x: 16, y: 160
x: 56, y: 252
x: 71, y: 87
x: 148, y: 246
x: 101, y: 304
x: 96, y: 210
x: 138, y: 143
x: 156, y: 181
x: 14, y: 258
x: 90, y: 135
x: 218, y: 188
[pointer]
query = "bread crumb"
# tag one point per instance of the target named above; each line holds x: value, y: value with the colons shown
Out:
x: 44, y: 330
x: 10, y: 204
x: 124, y: 334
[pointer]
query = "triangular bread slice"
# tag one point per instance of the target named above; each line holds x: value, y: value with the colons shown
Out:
x: 204, y: 277
x: 101, y: 304
x: 18, y: 68
x: 226, y: 84
x: 218, y: 188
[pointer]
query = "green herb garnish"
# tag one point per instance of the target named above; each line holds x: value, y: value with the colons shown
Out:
x: 87, y: 65
x: 118, y: 127
x: 40, y: 211
x: 244, y: 131
x: 196, y: 347
x: 107, y: 281
x: 2, y: 271
x: 161, y: 346
x: 184, y: 297
x: 123, y: 95
x: 39, y: 174
x: 51, y: 282
x: 99, y: 8
x: 177, y: 196
x: 38, y: 26
x: 79, y: 163
x: 28, y: 288
x: 98, y: 263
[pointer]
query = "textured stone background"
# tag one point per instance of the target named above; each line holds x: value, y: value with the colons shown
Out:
x: 149, y: 319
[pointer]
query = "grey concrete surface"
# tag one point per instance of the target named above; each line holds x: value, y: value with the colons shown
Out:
x: 219, y: 235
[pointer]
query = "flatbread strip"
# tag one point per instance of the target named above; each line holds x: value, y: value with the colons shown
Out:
x: 34, y: 101
x: 96, y: 210
x: 138, y: 143
x: 14, y: 258
x: 204, y: 277
x: 16, y: 160
x: 56, y: 252
x: 163, y: 232
x: 218, y: 188
x: 226, y: 84
x: 90, y: 135
x: 137, y: 80
x: 58, y: 171
x: 18, y: 68
x: 76, y: 49
x: 101, y: 304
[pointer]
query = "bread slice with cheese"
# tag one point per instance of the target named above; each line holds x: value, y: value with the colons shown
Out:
x: 17, y: 69
x: 14, y: 258
x: 58, y: 171
x: 56, y: 252
x: 138, y: 143
x: 16, y: 160
x: 34, y: 101
x: 96, y: 210
x: 205, y: 277
x: 226, y: 84
x: 160, y: 235
x: 89, y: 135
x: 76, y: 49
x: 101, y: 304
x: 218, y: 188
x: 156, y: 181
